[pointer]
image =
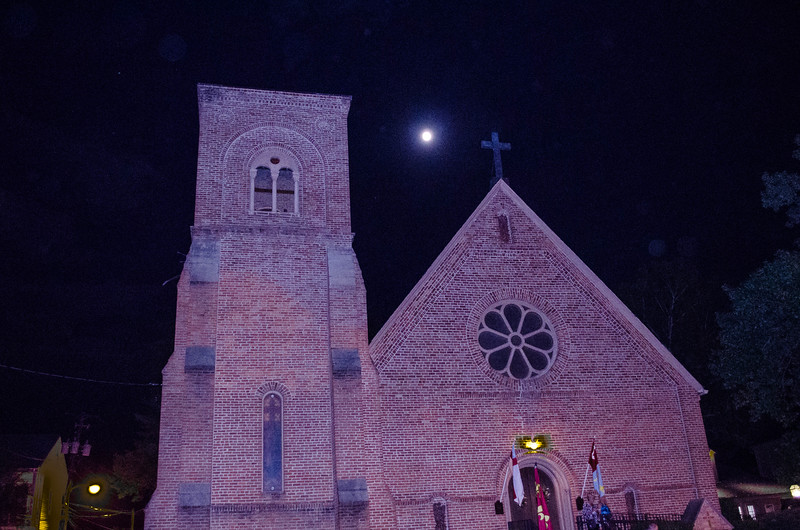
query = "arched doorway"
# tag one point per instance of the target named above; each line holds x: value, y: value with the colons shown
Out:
x: 525, y: 517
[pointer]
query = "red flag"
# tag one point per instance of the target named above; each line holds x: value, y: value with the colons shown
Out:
x: 542, y: 514
x: 597, y: 479
x: 593, y: 458
x: 516, y: 481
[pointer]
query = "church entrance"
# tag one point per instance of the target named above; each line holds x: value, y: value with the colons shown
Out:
x: 525, y: 517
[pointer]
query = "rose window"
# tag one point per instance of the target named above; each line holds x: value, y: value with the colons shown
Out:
x: 517, y: 341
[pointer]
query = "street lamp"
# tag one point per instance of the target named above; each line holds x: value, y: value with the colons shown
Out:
x: 92, y: 488
x: 96, y: 491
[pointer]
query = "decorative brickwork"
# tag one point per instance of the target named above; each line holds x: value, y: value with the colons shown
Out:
x: 414, y: 430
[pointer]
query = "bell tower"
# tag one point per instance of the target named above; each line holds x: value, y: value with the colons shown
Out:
x: 261, y: 419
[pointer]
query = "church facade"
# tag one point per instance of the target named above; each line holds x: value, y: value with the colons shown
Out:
x: 277, y: 412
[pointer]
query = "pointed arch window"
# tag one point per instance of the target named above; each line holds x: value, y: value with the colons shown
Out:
x: 273, y: 443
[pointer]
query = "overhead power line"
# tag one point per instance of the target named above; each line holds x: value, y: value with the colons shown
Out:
x: 86, y: 379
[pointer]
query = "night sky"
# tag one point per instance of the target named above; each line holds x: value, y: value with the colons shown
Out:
x: 639, y: 132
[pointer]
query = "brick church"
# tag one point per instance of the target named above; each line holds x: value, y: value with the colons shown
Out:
x: 277, y: 411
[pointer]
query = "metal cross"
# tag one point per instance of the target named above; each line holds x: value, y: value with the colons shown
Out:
x: 496, y: 146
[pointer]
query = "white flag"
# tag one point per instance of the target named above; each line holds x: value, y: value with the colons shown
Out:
x: 519, y: 492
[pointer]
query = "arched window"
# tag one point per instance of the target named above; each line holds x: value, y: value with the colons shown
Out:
x: 440, y: 514
x: 262, y: 190
x: 630, y: 502
x: 285, y: 191
x: 274, y: 183
x: 503, y: 227
x: 273, y: 443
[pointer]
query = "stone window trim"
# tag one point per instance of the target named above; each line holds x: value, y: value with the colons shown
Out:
x: 274, y: 183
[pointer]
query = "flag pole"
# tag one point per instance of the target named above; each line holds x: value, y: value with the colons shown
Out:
x: 588, y: 466
x: 585, y: 476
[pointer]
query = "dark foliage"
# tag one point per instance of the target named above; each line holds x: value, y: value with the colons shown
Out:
x: 134, y: 471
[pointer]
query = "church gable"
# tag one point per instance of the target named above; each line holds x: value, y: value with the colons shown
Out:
x: 509, y: 334
x: 504, y: 254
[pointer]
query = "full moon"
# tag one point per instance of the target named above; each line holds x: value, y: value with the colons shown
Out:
x: 426, y: 135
